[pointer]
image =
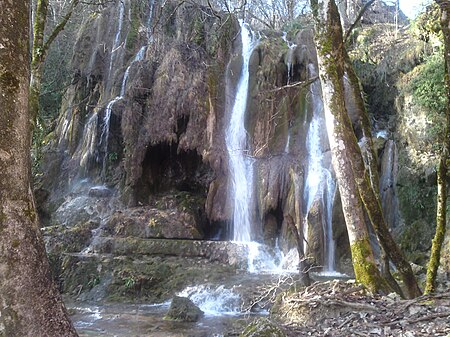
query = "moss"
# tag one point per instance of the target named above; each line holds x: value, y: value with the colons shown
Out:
x: 198, y: 32
x: 8, y: 81
x: 366, y: 272
x: 168, y: 15
x: 133, y: 33
x: 262, y: 327
x: 221, y: 39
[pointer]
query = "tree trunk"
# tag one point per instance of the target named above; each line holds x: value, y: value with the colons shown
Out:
x: 330, y: 51
x: 303, y: 266
x: 40, y: 49
x: 368, y: 186
x: 30, y: 303
x: 441, y: 214
x: 37, y: 57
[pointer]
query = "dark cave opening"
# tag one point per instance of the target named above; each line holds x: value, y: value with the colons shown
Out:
x: 165, y: 168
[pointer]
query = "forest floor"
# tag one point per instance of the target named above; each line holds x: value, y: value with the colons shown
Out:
x: 338, y: 308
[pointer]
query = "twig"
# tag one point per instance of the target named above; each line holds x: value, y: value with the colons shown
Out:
x: 429, y: 317
x: 300, y: 84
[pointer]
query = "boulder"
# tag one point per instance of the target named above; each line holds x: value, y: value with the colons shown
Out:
x: 183, y: 309
x: 262, y: 327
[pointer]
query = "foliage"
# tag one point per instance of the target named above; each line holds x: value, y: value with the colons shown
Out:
x: 427, y: 25
x: 129, y: 282
x: 113, y: 156
x: 93, y: 281
x: 416, y: 199
x: 427, y: 85
x: 133, y: 34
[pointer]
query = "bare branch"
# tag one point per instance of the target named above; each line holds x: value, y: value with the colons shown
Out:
x: 358, y: 18
x: 300, y: 84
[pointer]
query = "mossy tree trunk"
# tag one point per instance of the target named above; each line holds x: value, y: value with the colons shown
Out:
x: 40, y: 49
x: 367, y: 179
x: 331, y: 57
x: 30, y: 302
x: 441, y: 214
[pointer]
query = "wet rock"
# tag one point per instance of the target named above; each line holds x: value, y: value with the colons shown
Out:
x: 62, y: 239
x: 262, y: 327
x: 315, y: 235
x: 100, y: 192
x: 183, y: 309
x: 149, y: 278
x: 145, y: 222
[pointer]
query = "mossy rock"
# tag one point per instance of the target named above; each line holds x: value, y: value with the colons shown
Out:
x: 262, y: 327
x: 183, y: 309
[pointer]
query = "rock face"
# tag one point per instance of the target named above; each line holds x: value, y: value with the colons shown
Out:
x: 183, y: 309
x: 144, y: 117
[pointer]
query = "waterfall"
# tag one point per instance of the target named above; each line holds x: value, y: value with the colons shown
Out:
x: 319, y: 182
x: 290, y: 68
x: 116, y: 38
x: 289, y: 56
x: 103, y: 144
x: 330, y: 245
x: 389, y: 169
x: 89, y: 140
x: 104, y: 136
x: 151, y: 5
x: 236, y: 142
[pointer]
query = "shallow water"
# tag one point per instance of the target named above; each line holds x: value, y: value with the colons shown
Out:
x: 132, y: 320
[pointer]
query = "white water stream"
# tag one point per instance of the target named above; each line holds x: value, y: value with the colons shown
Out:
x: 238, y: 148
x: 116, y: 43
x: 319, y: 184
x: 214, y: 301
x: 289, y: 56
x: 103, y: 143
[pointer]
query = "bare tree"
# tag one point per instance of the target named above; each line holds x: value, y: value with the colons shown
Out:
x: 331, y: 58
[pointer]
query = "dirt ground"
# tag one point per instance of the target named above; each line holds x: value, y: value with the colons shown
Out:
x: 339, y: 308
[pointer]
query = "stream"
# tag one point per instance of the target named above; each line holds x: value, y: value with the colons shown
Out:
x: 118, y: 319
x: 223, y: 306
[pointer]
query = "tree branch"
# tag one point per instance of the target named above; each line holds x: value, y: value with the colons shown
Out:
x: 358, y: 18
x: 59, y: 27
x: 300, y: 84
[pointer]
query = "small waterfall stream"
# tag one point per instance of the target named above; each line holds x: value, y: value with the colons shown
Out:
x: 289, y: 56
x: 104, y: 136
x: 116, y: 43
x: 103, y: 143
x: 289, y: 66
x: 319, y: 183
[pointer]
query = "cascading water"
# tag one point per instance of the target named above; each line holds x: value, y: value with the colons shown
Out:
x: 117, y: 37
x: 214, y: 301
x: 89, y: 134
x: 389, y: 169
x: 89, y: 144
x: 241, y: 164
x: 103, y: 144
x: 289, y: 56
x: 104, y: 136
x: 289, y: 66
x: 236, y: 143
x: 319, y: 183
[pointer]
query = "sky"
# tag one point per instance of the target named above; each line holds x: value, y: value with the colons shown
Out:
x: 412, y: 7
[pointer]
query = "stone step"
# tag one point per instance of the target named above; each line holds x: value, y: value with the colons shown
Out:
x: 219, y: 251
